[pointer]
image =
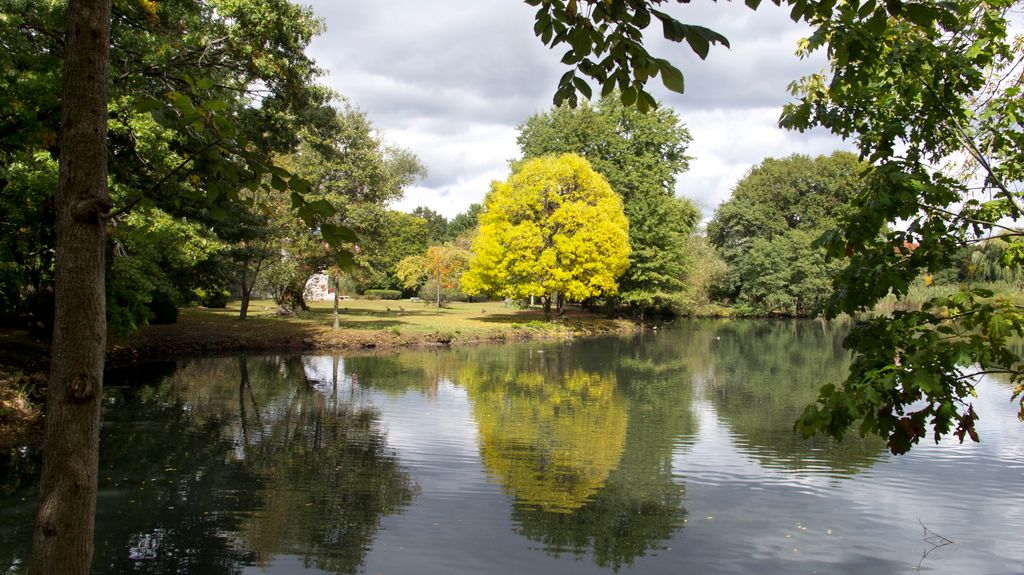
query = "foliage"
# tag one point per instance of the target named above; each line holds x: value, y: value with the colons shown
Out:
x: 389, y: 236
x: 382, y: 294
x: 706, y: 272
x: 918, y: 86
x: 437, y: 225
x: 465, y: 223
x: 771, y: 220
x: 444, y: 264
x: 351, y: 170
x: 195, y: 113
x: 554, y: 230
x: 606, y: 39
x: 786, y: 275
x: 640, y: 155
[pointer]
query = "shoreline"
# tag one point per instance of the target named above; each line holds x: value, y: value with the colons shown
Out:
x: 24, y: 364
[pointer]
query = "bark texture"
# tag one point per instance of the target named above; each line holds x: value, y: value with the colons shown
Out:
x: 63, y: 534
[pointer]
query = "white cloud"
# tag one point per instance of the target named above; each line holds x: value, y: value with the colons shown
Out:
x: 451, y: 79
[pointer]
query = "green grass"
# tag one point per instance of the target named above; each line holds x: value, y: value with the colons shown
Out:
x: 920, y: 293
x: 364, y: 324
x: 406, y: 316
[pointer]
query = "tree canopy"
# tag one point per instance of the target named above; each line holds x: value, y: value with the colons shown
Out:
x: 949, y: 76
x: 640, y: 155
x: 442, y: 264
x: 766, y: 230
x: 554, y: 230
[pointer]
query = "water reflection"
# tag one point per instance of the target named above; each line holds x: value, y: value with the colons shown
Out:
x: 224, y: 463
x: 639, y: 506
x: 759, y: 375
x: 636, y: 454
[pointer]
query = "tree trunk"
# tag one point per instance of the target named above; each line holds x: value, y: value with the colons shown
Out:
x: 337, y: 287
x: 293, y: 299
x: 246, y: 297
x: 439, y: 290
x: 62, y: 540
x: 546, y: 302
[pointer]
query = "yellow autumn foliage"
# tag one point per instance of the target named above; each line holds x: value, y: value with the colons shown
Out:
x: 555, y: 227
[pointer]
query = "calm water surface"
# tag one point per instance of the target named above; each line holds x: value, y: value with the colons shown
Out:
x: 669, y: 452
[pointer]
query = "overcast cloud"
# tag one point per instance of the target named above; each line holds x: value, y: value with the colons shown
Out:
x: 451, y: 79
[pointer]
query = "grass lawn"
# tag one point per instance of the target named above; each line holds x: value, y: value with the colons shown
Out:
x: 403, y: 315
x: 364, y: 324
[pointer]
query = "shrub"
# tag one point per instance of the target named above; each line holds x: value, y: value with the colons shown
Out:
x: 382, y: 294
x: 162, y: 308
x: 212, y: 298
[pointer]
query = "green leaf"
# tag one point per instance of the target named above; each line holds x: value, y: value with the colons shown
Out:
x: 920, y: 14
x: 582, y: 86
x: 336, y: 235
x: 145, y: 105
x: 181, y: 102
x: 608, y: 87
x: 628, y: 96
x: 642, y: 18
x: 204, y: 84
x: 698, y: 43
x: 322, y: 208
x: 299, y: 184
x: 215, y: 105
x: 278, y: 184
x: 672, y: 77
x: 344, y: 259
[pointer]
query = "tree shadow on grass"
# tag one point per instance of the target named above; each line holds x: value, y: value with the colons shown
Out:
x: 508, y: 318
x: 360, y: 313
x: 374, y: 325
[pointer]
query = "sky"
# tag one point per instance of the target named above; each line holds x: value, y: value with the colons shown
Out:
x: 451, y: 80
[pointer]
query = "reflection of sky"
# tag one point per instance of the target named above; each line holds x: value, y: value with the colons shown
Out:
x: 744, y: 513
x: 870, y: 521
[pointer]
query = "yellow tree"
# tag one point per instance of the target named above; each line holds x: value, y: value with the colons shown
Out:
x: 555, y: 230
x: 443, y: 263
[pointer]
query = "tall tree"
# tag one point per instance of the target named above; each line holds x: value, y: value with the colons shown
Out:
x: 554, y: 230
x: 640, y: 155
x: 436, y: 224
x: 465, y: 223
x: 774, y: 215
x: 63, y: 533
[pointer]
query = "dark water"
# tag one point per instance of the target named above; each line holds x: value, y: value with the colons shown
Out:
x: 664, y: 453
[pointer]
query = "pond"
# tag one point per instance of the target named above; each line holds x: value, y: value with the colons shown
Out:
x: 665, y: 452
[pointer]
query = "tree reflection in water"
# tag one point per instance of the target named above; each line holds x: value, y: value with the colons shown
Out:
x: 760, y: 374
x: 235, y: 462
x: 582, y: 445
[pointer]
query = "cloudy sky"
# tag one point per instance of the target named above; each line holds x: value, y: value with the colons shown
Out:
x: 451, y: 79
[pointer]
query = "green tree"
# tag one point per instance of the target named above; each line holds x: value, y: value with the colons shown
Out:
x: 949, y: 77
x: 786, y: 275
x: 640, y: 155
x: 465, y: 223
x: 554, y: 230
x: 271, y: 79
x: 351, y: 171
x: 388, y: 237
x: 437, y: 225
x: 796, y: 198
